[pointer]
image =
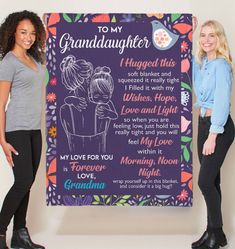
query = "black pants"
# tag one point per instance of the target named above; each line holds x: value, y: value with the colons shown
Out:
x: 29, y: 145
x: 209, y: 175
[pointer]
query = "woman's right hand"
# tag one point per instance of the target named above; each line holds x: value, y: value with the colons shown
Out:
x: 8, y: 150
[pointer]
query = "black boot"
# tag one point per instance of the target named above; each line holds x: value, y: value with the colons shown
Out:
x: 3, y: 244
x: 22, y: 240
x: 201, y: 241
x: 215, y: 240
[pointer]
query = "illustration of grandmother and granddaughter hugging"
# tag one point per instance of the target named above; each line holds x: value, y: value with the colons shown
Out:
x: 88, y: 110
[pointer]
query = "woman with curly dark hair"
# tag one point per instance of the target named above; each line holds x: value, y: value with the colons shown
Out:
x: 22, y: 45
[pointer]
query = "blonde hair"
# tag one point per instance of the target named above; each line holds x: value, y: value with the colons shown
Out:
x: 222, y: 50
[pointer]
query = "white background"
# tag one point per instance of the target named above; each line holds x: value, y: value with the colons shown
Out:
x: 126, y: 227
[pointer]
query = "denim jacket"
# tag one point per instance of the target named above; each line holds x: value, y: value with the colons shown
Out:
x: 212, y: 86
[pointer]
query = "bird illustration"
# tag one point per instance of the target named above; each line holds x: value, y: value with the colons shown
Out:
x: 163, y: 38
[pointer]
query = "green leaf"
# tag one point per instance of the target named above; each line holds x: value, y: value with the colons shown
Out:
x: 175, y: 16
x: 95, y: 203
x: 191, y: 146
x: 126, y: 197
x: 108, y: 200
x: 114, y: 19
x: 122, y: 201
x: 77, y: 17
x: 67, y: 18
x: 119, y: 204
x: 143, y: 202
x: 186, y: 139
x: 47, y: 77
x: 97, y: 198
x: 186, y: 86
x: 186, y: 154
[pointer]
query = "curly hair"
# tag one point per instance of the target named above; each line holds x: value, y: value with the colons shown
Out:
x: 8, y: 29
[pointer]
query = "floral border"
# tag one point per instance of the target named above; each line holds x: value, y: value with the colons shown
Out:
x: 180, y: 24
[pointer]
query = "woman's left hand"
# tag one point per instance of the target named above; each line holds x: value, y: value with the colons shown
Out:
x: 209, y: 145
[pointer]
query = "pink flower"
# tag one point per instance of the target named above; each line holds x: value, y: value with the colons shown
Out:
x: 51, y: 97
x: 183, y: 195
x: 53, y: 81
x: 101, y: 18
x: 187, y: 177
x: 184, y: 124
x: 51, y: 173
x: 184, y: 46
x: 185, y: 65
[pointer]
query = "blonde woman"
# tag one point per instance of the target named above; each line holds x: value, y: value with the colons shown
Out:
x: 212, y: 85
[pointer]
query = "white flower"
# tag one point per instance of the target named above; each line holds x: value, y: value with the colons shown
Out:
x: 184, y: 98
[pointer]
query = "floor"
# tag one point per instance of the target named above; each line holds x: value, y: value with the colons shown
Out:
x: 120, y: 242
